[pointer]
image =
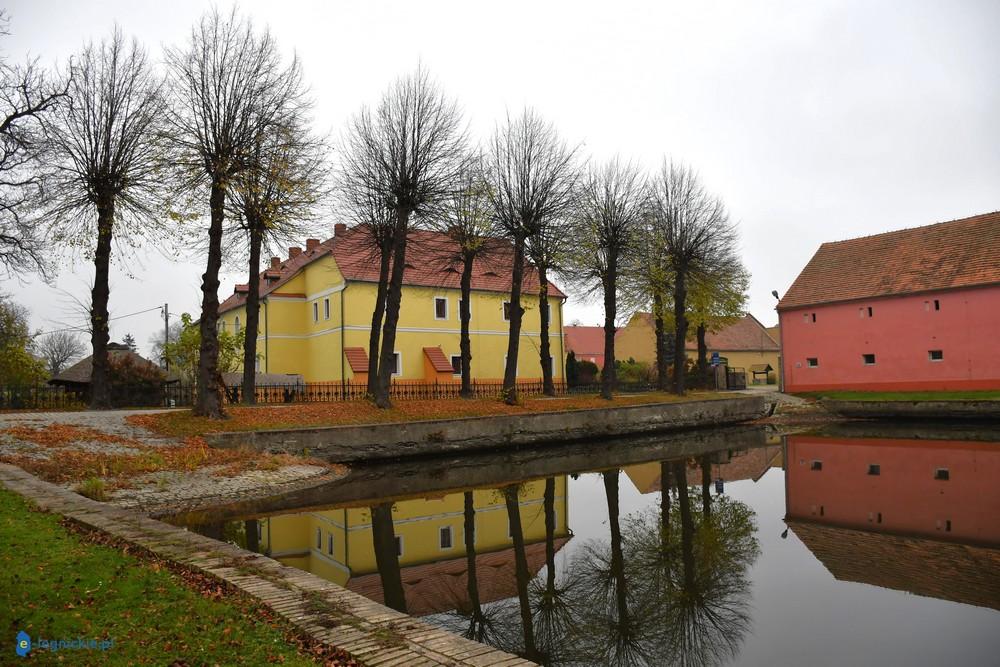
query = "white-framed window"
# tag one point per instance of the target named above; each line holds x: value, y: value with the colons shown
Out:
x: 445, y: 537
x: 399, y: 545
x: 935, y: 355
x: 440, y: 308
x: 868, y: 359
x: 256, y: 365
x: 397, y: 364
x: 326, y: 309
x: 315, y: 311
x: 812, y: 362
x: 456, y: 364
x: 236, y: 325
x: 506, y: 311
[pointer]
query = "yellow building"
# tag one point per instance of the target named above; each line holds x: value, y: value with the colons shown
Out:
x: 430, y: 538
x: 316, y: 312
x: 744, y: 344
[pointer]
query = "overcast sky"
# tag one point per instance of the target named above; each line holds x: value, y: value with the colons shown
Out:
x: 814, y: 121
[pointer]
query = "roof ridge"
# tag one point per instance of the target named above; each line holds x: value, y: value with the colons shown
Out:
x: 909, y: 229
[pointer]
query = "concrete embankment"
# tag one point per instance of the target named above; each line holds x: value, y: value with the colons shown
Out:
x: 425, y: 438
x: 916, y: 410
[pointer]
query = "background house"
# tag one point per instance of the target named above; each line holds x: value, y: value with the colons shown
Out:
x: 316, y: 312
x: 76, y: 378
x: 745, y: 344
x: 915, y: 309
x: 587, y: 343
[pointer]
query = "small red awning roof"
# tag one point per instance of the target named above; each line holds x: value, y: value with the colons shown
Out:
x: 437, y: 359
x: 357, y: 358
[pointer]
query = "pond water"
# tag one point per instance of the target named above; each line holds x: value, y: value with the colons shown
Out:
x: 857, y: 545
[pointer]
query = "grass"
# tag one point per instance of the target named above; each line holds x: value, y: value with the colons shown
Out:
x: 59, y: 584
x: 184, y: 424
x: 906, y: 395
x: 93, y: 488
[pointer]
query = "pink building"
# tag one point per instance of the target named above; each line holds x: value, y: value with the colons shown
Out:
x: 915, y: 309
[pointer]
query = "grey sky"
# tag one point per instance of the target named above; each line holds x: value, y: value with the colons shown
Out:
x: 814, y: 121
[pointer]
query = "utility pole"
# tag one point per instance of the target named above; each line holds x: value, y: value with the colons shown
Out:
x: 166, y: 335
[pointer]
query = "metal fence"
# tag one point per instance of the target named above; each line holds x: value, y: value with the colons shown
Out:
x: 48, y: 397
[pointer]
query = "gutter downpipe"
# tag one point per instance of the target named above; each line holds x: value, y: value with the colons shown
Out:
x: 343, y: 371
x: 267, y: 353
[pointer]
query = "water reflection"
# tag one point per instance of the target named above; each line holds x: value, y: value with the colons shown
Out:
x: 667, y: 570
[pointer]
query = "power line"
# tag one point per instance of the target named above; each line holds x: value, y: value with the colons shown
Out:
x: 110, y: 319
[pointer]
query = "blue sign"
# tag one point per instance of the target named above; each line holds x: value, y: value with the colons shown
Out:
x: 715, y: 358
x: 23, y: 645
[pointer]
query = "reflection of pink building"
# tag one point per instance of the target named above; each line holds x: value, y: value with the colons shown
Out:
x: 906, y: 310
x: 933, y: 488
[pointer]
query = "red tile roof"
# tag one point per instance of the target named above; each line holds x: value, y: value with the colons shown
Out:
x: 437, y: 359
x: 746, y: 334
x: 585, y: 340
x: 427, y: 265
x: 946, y: 255
x: 357, y: 358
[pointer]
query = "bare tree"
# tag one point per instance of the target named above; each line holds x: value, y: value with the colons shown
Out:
x: 405, y: 156
x: 694, y: 228
x: 717, y: 299
x: 58, y: 349
x: 530, y: 172
x: 468, y: 223
x: 547, y: 249
x: 610, y: 208
x: 229, y: 88
x: 104, y: 181
x: 274, y: 199
x: 26, y: 96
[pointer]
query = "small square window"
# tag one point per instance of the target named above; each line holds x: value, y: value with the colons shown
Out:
x: 812, y: 362
x: 399, y: 545
x: 445, y: 537
x: 868, y: 359
x: 456, y: 364
x: 816, y: 465
x: 942, y: 474
x: 326, y: 309
x: 874, y: 469
x: 506, y: 311
x: 440, y: 308
x: 935, y: 355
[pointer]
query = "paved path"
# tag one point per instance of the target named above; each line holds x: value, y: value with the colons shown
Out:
x: 369, y: 632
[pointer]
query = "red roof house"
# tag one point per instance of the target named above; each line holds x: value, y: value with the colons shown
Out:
x: 586, y: 342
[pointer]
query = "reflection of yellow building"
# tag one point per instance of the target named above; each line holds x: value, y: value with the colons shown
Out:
x: 316, y: 312
x: 337, y: 544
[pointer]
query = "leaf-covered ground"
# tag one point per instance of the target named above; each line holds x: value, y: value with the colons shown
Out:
x: 184, y: 424
x: 60, y: 583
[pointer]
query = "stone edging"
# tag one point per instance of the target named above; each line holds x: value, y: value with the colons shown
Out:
x: 369, y: 442
x: 909, y: 409
x: 369, y: 632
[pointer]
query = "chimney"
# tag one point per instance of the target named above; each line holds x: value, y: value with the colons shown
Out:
x: 294, y: 252
x: 275, y: 263
x: 339, y: 229
x: 311, y: 244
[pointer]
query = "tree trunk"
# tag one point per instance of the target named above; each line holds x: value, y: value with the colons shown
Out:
x: 706, y: 484
x: 664, y: 506
x: 521, y: 569
x: 617, y: 557
x: 387, y: 557
x: 687, y: 525
x: 514, y: 337
x: 680, y: 332
x: 550, y: 536
x: 661, y: 345
x: 472, y: 584
x: 100, y: 389
x: 393, y: 298
x: 544, y: 315
x: 702, y: 355
x: 385, y: 255
x: 609, y: 372
x: 209, y: 403
x: 465, y: 315
x: 253, y: 315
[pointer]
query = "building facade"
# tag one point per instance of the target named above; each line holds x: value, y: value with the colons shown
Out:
x: 317, y: 305
x: 916, y: 309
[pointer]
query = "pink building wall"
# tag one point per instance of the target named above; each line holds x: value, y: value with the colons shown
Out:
x: 901, y: 331
x: 904, y: 497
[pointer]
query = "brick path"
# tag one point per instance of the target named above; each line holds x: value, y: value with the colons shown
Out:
x: 371, y: 633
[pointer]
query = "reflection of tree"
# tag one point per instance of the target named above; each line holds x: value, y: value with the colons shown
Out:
x: 521, y: 570
x: 387, y: 556
x: 550, y: 604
